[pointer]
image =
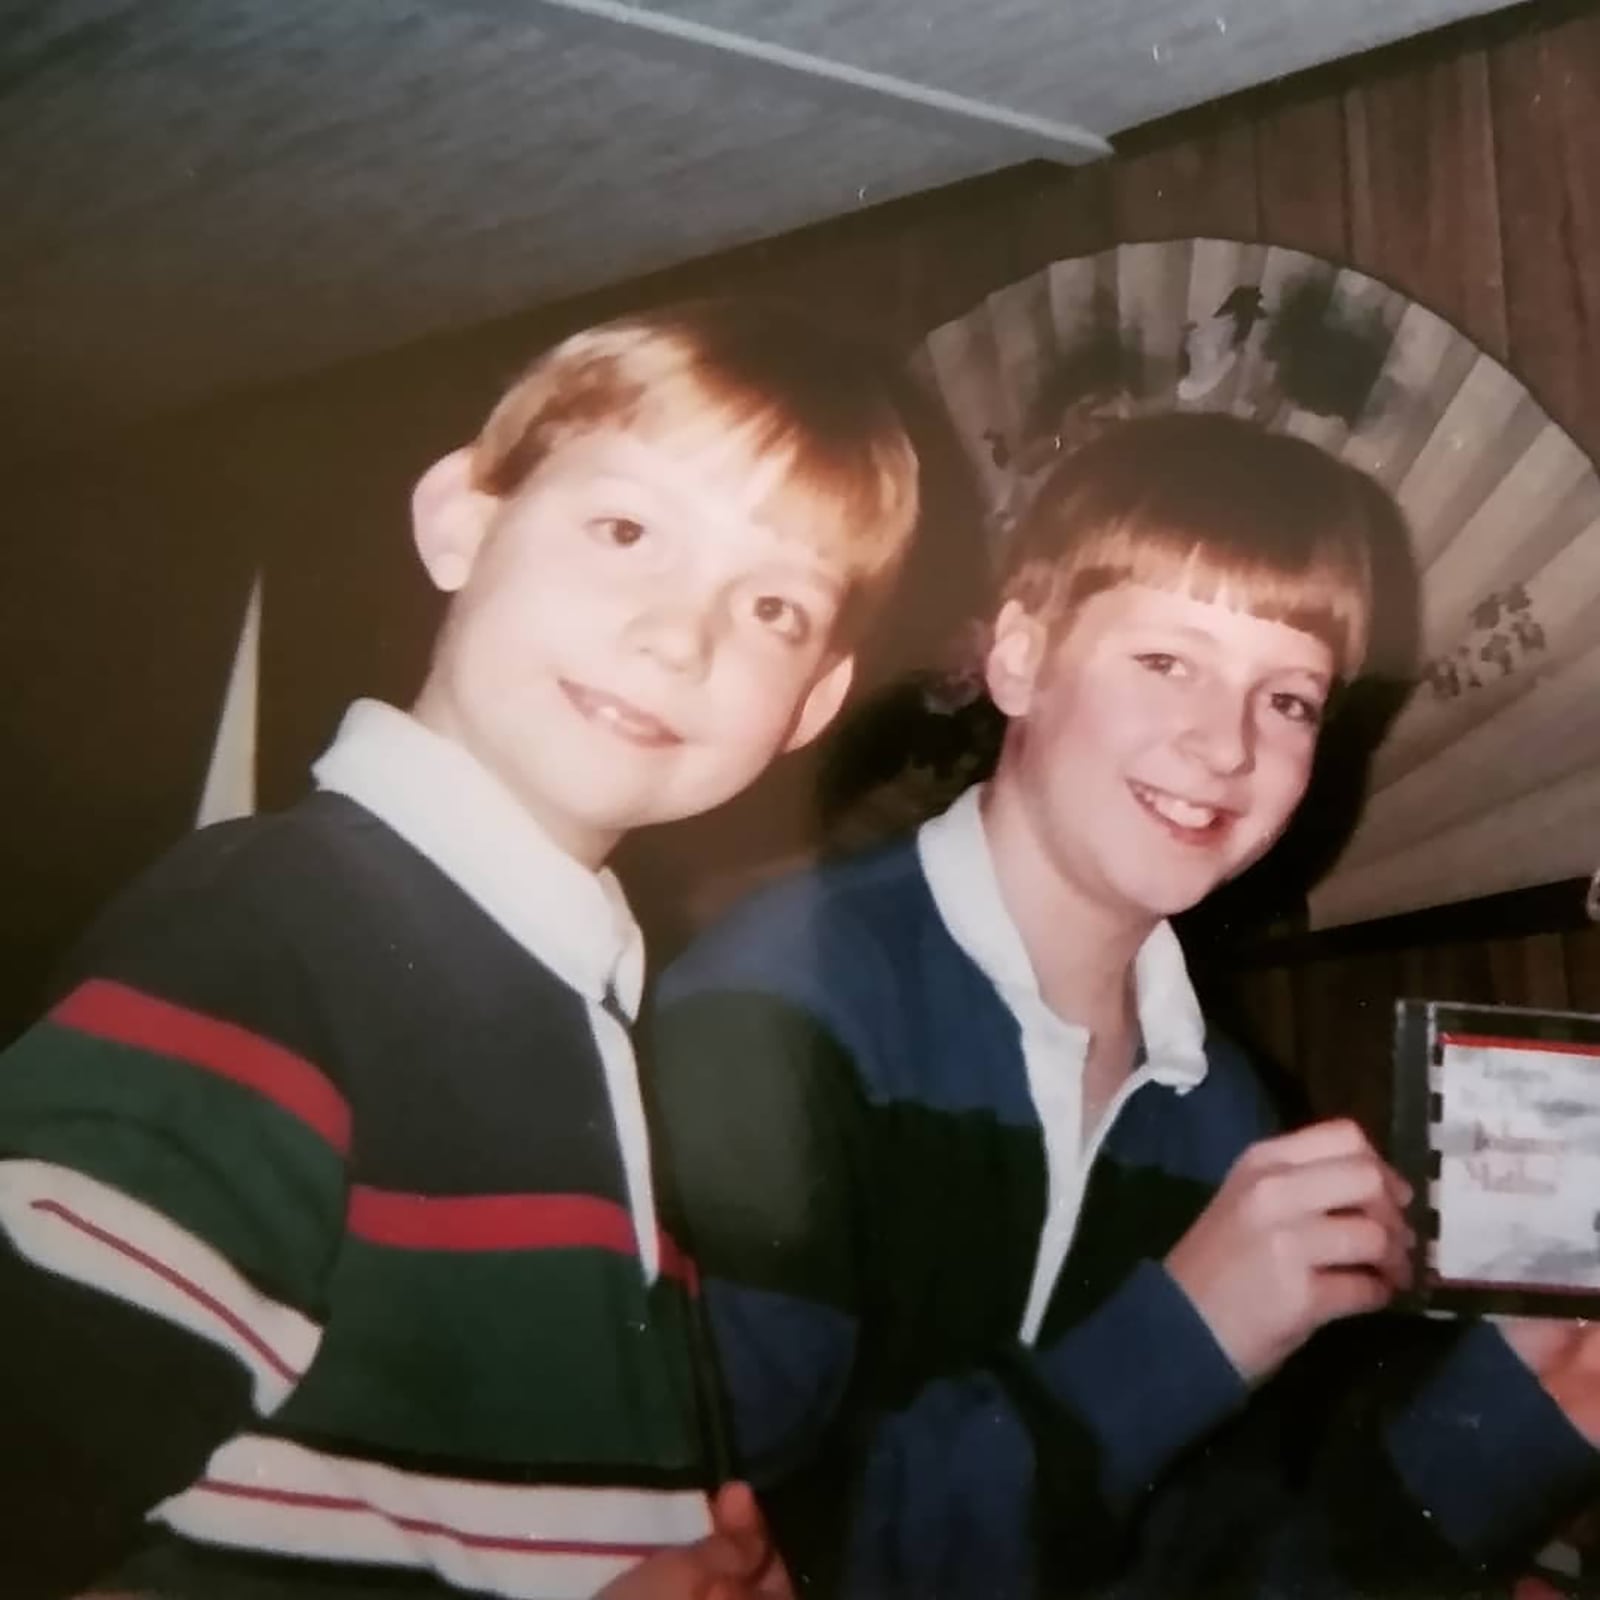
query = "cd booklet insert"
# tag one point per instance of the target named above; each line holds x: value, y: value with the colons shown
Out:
x: 1496, y: 1125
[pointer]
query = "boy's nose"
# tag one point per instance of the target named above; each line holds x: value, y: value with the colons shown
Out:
x: 1220, y: 733
x: 677, y: 631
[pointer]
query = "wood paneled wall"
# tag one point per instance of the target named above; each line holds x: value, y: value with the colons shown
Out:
x: 1463, y: 168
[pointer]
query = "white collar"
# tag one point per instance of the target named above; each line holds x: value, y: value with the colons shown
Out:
x: 442, y: 802
x: 957, y: 863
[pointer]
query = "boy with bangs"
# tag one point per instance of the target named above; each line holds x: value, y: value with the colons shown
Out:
x: 328, y: 1246
x: 999, y: 1239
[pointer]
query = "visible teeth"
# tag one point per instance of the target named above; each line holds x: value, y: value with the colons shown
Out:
x: 618, y: 717
x: 1183, y: 812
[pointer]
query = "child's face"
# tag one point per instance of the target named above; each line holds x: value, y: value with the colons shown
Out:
x: 1158, y: 747
x: 630, y: 642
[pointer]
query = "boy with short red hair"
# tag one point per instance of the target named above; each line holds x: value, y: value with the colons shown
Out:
x: 328, y: 1244
x: 998, y: 1237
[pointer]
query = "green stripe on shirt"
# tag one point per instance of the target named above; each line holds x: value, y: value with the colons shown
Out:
x: 223, y: 1162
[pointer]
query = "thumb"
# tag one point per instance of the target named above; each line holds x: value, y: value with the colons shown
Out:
x: 1539, y: 1342
x: 736, y: 1516
x: 734, y: 1510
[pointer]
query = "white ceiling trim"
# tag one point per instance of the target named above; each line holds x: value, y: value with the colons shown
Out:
x: 1039, y: 136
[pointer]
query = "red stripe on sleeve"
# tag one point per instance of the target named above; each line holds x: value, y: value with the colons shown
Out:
x: 501, y: 1222
x: 113, y: 1011
x: 299, y: 1500
x: 185, y: 1285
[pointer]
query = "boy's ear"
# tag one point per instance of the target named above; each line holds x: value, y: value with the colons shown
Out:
x: 1016, y: 655
x: 821, y: 706
x: 449, y: 519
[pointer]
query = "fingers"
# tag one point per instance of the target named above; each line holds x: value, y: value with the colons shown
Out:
x: 1321, y: 1141
x: 724, y: 1558
x: 1306, y: 1228
x: 1348, y: 1292
x: 734, y: 1511
x: 1565, y: 1358
x: 1348, y: 1189
x: 735, y: 1561
x: 1537, y: 1340
x: 775, y: 1583
x: 1354, y: 1242
x: 1339, y: 1144
x: 1338, y: 1212
x: 742, y: 1546
x: 1348, y: 1183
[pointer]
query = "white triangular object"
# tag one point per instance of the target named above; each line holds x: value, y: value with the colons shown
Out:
x: 230, y: 786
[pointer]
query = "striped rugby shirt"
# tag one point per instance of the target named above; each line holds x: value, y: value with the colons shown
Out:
x: 329, y: 1257
x: 952, y: 1358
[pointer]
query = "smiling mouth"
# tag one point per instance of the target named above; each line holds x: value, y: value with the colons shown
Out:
x: 620, y: 717
x: 1186, y: 819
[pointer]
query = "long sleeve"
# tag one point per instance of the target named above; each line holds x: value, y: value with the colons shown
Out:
x: 1432, y: 1461
x: 860, y: 1173
x: 783, y: 1170
x: 171, y: 1190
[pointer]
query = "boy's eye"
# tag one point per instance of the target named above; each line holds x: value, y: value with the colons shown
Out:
x: 1298, y: 708
x: 1159, y: 662
x: 619, y: 531
x: 783, y: 617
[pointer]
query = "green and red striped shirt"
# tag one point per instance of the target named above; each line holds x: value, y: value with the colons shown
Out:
x: 319, y: 1250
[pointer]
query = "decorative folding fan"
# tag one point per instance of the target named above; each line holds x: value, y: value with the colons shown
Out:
x: 1489, y: 777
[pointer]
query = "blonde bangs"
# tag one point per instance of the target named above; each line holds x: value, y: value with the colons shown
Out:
x: 1325, y: 595
x: 854, y: 499
x: 772, y: 389
x: 1221, y: 509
